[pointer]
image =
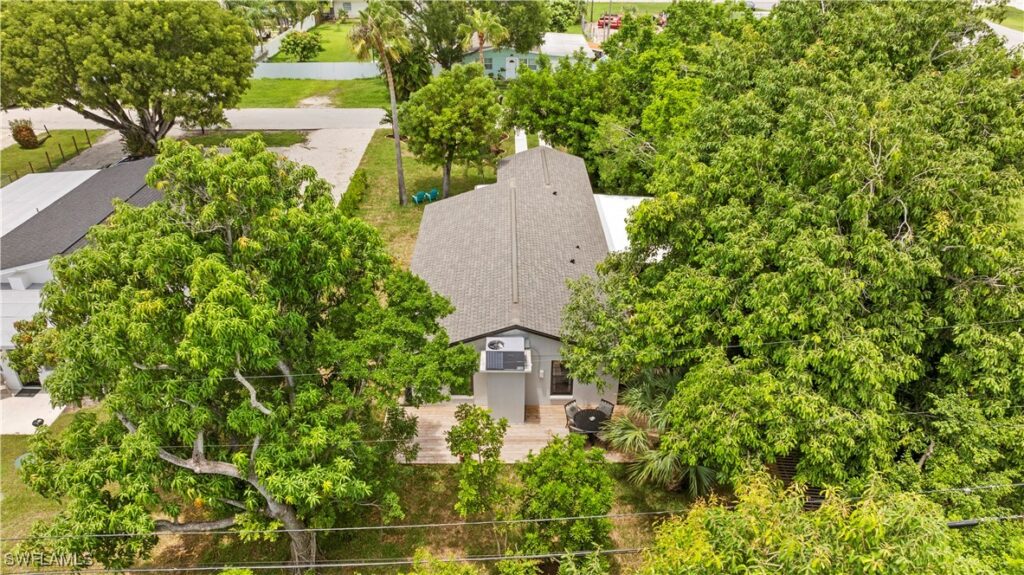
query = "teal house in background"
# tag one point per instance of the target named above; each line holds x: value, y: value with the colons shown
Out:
x: 503, y: 62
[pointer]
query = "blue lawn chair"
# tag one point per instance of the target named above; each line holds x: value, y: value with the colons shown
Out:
x: 420, y: 198
x: 433, y: 195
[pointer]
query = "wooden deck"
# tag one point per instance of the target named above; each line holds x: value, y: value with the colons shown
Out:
x: 542, y: 423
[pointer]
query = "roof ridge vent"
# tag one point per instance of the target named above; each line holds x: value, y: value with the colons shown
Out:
x: 544, y: 160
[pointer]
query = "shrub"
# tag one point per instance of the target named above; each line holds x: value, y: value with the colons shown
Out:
x: 355, y: 193
x: 303, y: 46
x: 22, y: 132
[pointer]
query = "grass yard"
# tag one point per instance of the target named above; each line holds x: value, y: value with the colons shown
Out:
x: 399, y: 225
x: 21, y: 507
x: 532, y: 141
x: 629, y: 7
x: 275, y: 93
x: 14, y: 161
x: 1014, y: 18
x: 337, y: 46
x: 281, y: 139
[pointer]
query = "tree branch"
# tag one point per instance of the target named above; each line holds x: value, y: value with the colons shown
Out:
x: 252, y: 394
x: 288, y: 377
x: 927, y: 455
x: 163, y: 526
x: 201, y: 466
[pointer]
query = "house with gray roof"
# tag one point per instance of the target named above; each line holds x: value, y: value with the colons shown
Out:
x: 503, y: 254
x: 46, y: 215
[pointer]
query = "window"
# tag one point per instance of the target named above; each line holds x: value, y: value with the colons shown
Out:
x: 561, y: 383
x: 346, y: 7
x: 488, y: 63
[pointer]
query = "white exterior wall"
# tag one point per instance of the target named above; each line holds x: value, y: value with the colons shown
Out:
x: 537, y: 383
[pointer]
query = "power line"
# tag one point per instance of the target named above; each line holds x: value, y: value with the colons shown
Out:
x: 350, y: 564
x: 805, y: 339
x: 967, y: 489
x: 356, y: 528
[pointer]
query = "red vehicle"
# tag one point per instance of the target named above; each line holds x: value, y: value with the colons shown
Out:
x: 613, y: 21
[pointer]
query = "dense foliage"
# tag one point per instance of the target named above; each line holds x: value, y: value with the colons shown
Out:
x: 768, y: 531
x: 565, y: 480
x: 303, y: 46
x: 452, y: 119
x: 251, y: 344
x: 833, y: 260
x: 135, y: 67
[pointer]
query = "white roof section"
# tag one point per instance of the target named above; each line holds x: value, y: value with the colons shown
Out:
x: 556, y: 44
x: 614, y: 213
x: 16, y: 305
x: 560, y: 45
x: 29, y: 194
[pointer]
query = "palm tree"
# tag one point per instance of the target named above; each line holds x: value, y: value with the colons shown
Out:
x: 485, y: 26
x: 639, y: 434
x: 381, y: 31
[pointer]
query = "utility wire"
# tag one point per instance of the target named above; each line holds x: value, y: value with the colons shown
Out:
x: 967, y: 489
x: 349, y: 564
x: 806, y: 339
x: 357, y: 528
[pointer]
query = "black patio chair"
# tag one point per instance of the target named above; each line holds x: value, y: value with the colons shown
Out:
x: 606, y: 407
x: 571, y: 409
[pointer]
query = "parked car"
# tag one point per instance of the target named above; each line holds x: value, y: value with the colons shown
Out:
x: 613, y: 21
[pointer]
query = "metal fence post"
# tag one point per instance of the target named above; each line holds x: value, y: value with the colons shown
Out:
x: 87, y: 138
x: 77, y: 151
x: 63, y: 158
x: 48, y: 162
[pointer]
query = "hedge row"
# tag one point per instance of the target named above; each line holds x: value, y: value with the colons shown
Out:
x: 355, y: 193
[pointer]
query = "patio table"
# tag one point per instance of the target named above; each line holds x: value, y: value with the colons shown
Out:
x: 588, y: 421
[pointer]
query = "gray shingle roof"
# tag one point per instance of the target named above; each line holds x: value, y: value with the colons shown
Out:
x: 502, y: 253
x: 60, y: 228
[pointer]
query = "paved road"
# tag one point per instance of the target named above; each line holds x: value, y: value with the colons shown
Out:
x: 1012, y: 38
x: 245, y: 119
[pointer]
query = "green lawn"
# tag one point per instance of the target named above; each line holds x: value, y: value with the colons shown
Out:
x: 1014, y: 18
x: 282, y: 138
x: 14, y: 161
x: 273, y: 93
x: 631, y: 7
x: 21, y: 507
x: 400, y: 225
x: 532, y: 141
x: 337, y: 46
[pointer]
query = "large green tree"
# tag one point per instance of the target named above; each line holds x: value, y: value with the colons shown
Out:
x: 381, y: 33
x: 134, y: 67
x: 438, y: 23
x: 768, y: 531
x: 452, y: 119
x: 832, y: 263
x: 250, y: 344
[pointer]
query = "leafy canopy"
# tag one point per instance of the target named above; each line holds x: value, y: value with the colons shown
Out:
x: 454, y: 118
x: 135, y: 67
x: 476, y: 440
x: 303, y: 46
x: 251, y: 344
x: 832, y: 262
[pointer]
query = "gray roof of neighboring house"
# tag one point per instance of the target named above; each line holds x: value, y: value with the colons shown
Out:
x: 60, y: 227
x: 502, y: 253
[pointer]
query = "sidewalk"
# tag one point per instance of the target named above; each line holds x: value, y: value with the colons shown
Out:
x: 17, y: 413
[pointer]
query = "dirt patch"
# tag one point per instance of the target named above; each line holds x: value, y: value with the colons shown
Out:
x: 315, y: 102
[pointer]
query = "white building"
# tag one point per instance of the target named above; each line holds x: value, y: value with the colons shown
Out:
x: 502, y: 254
x: 45, y: 215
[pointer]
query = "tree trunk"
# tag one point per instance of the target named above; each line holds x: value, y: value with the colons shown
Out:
x: 480, y: 40
x: 446, y: 179
x: 394, y: 131
x: 303, y: 545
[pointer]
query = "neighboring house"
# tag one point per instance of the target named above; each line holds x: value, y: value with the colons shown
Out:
x: 347, y: 9
x: 502, y: 254
x: 504, y: 62
x: 45, y: 215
